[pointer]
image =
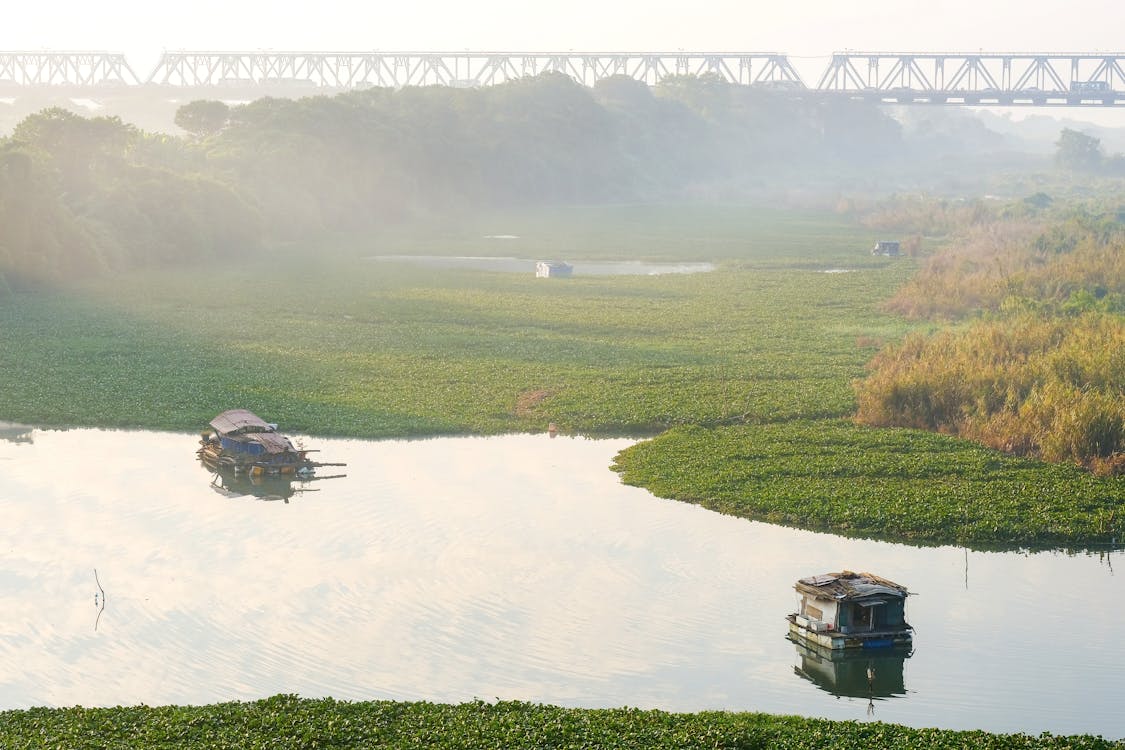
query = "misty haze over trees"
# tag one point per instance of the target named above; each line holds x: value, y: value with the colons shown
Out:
x: 80, y: 196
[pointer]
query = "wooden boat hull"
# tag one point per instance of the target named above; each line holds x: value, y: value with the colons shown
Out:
x: 836, y: 640
x: 212, y: 454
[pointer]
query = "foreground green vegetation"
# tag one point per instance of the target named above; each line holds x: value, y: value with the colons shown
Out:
x: 287, y: 721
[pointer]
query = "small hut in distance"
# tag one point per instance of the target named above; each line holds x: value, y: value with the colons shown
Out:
x: 887, y: 248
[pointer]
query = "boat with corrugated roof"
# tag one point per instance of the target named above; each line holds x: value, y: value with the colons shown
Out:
x: 849, y: 610
x: 242, y: 442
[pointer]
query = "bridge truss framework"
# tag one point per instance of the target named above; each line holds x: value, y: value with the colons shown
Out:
x: 1036, y: 79
x: 346, y: 70
x: 77, y: 69
x: 906, y: 78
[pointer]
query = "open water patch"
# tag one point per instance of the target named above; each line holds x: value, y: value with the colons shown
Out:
x: 524, y: 265
x: 517, y: 567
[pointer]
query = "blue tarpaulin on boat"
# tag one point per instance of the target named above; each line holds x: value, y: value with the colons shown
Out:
x: 238, y: 446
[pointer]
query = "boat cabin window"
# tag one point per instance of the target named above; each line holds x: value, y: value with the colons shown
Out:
x: 868, y: 615
x: 862, y: 617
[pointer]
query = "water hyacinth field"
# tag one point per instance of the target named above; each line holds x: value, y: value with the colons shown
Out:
x: 344, y: 346
x: 895, y: 484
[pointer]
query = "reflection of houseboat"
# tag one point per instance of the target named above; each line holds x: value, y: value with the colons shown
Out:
x: 851, y: 673
x: 240, y: 441
x: 263, y: 486
x: 851, y: 610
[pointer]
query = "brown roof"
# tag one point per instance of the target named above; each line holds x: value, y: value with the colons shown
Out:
x: 849, y: 585
x: 239, y: 420
x: 274, y: 442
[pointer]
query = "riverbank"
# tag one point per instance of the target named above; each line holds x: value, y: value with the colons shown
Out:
x: 289, y: 721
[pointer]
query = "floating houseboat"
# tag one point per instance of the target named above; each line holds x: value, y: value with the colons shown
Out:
x: 887, y: 248
x: 851, y: 610
x: 553, y: 269
x: 240, y: 441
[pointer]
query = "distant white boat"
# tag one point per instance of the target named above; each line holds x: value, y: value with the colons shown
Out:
x: 547, y: 269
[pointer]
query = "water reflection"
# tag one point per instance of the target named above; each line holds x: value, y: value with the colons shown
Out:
x: 15, y: 433
x: 281, y: 487
x: 864, y: 673
x: 516, y: 567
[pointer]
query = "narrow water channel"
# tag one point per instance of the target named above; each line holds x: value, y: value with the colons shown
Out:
x: 515, y: 567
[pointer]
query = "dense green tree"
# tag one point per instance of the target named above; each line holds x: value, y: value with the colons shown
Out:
x: 81, y: 153
x: 41, y: 239
x: 203, y: 118
x: 709, y: 94
x: 1078, y: 152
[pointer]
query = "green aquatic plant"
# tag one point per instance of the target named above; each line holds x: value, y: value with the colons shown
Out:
x: 292, y: 722
x: 893, y: 484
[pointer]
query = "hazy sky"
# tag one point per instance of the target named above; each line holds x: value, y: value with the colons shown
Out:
x: 811, y: 28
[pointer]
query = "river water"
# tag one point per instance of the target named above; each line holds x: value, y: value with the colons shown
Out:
x: 527, y: 266
x: 513, y: 567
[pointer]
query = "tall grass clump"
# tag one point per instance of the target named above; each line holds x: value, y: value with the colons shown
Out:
x: 1052, y: 388
x: 926, y: 216
x: 1066, y: 266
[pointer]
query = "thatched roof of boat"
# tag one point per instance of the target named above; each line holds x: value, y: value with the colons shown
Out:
x: 236, y: 421
x: 849, y: 585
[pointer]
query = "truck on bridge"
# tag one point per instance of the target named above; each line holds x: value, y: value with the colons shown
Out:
x: 1087, y: 87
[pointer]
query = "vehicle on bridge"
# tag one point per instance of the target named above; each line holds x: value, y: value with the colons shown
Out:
x: 1084, y: 87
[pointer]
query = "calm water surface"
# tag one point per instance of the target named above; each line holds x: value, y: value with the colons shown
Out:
x: 527, y: 265
x: 514, y: 567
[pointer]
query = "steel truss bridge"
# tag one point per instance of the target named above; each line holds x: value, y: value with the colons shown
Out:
x: 993, y: 79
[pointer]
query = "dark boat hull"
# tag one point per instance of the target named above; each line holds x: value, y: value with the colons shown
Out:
x: 214, y: 456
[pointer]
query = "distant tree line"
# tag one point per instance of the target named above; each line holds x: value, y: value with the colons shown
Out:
x: 85, y: 195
